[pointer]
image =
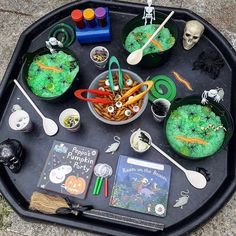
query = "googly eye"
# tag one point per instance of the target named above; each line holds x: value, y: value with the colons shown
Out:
x: 128, y: 113
x: 118, y: 104
x: 117, y: 97
x: 116, y: 87
x: 129, y: 82
x: 101, y: 89
x: 110, y: 109
x: 130, y: 97
x: 135, y: 109
x: 107, y: 83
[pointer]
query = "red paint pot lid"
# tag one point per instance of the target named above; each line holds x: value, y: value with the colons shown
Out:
x: 76, y: 15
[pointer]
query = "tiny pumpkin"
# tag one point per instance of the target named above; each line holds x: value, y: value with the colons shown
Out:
x: 74, y: 185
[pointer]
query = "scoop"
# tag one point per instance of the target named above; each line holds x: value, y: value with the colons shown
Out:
x: 136, y: 56
x: 49, y: 126
x: 195, y: 178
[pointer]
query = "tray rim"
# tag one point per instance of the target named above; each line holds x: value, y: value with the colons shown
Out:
x: 11, y: 71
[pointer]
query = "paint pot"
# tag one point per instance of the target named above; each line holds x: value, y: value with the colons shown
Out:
x: 20, y: 121
x: 137, y: 144
x: 161, y: 109
x: 70, y: 119
x: 99, y: 55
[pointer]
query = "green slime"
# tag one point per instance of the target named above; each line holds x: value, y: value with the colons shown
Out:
x: 138, y: 37
x: 48, y: 83
x: 187, y: 121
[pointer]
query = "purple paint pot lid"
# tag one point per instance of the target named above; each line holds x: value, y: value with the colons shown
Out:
x: 100, y: 12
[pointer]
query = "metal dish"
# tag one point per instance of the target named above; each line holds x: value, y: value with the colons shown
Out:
x: 94, y: 85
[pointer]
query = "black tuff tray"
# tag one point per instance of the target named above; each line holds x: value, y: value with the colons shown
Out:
x: 17, y: 188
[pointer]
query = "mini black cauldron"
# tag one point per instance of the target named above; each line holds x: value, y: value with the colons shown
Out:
x: 11, y: 152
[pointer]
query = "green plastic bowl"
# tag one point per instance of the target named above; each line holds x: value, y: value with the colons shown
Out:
x: 217, y: 108
x: 29, y: 57
x: 153, y: 59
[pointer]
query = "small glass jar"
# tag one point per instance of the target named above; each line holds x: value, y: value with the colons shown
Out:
x: 101, y: 15
x: 77, y: 17
x: 89, y: 16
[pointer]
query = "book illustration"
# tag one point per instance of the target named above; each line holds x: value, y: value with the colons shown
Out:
x: 58, y: 174
x: 68, y: 169
x: 141, y: 186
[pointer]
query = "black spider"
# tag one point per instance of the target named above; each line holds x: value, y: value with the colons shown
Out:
x: 151, y: 47
x: 210, y: 62
x: 38, y: 70
x: 207, y: 118
x: 193, y: 130
x: 191, y: 113
x: 204, y: 172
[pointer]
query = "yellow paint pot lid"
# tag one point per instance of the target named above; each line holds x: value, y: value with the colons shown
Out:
x: 88, y: 14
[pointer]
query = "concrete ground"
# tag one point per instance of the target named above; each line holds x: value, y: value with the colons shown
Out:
x: 16, y: 15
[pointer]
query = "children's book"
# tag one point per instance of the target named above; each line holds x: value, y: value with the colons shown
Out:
x: 68, y: 169
x: 141, y: 186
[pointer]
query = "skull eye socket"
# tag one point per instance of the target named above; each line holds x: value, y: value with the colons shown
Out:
x: 188, y: 35
x: 195, y: 37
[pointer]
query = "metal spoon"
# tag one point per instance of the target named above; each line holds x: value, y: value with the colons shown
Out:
x: 135, y: 57
x: 195, y: 178
x: 49, y: 126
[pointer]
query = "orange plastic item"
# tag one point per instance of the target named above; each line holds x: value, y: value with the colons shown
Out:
x: 53, y: 68
x: 136, y: 98
x: 191, y: 140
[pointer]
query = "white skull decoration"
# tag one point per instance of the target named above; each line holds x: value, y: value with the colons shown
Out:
x: 192, y: 33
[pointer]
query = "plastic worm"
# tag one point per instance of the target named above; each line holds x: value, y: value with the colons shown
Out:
x: 191, y: 140
x: 53, y: 68
x: 155, y: 42
x: 182, y: 80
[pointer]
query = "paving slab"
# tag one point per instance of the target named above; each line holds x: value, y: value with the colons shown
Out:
x: 17, y: 15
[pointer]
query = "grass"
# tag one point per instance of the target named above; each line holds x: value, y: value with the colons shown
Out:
x: 5, y: 210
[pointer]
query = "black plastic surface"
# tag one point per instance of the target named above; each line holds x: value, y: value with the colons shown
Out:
x: 17, y: 188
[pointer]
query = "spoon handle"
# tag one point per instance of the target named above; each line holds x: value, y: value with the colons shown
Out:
x: 168, y: 157
x: 158, y: 30
x: 29, y: 99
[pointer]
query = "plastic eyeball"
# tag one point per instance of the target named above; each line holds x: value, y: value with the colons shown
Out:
x: 117, y: 97
x: 101, y: 89
x: 118, y: 104
x: 129, y: 82
x: 135, y: 109
x: 107, y: 83
x: 128, y: 112
x: 130, y: 97
x: 116, y: 87
x: 110, y: 109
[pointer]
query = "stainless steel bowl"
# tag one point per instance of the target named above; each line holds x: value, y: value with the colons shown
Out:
x: 94, y: 85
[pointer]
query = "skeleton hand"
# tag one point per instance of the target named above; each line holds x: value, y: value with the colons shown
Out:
x: 217, y: 98
x: 204, y: 101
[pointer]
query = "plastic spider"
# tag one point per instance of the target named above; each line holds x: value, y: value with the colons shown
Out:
x: 204, y: 172
x: 210, y: 62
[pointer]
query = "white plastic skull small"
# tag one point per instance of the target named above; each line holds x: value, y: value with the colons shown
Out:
x: 192, y: 33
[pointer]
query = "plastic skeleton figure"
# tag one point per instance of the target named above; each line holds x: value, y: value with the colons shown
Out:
x: 217, y: 94
x: 149, y: 12
x: 52, y: 42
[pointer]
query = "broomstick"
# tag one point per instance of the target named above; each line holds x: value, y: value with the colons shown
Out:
x: 48, y: 204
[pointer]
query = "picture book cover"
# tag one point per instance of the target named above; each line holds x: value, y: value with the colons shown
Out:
x: 68, y: 169
x: 141, y: 186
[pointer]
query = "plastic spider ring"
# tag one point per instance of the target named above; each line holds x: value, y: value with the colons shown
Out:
x: 135, y: 109
x: 128, y: 113
x: 110, y: 109
x: 119, y: 104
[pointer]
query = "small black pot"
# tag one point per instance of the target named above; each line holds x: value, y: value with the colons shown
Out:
x: 154, y: 59
x: 29, y: 57
x: 217, y: 108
